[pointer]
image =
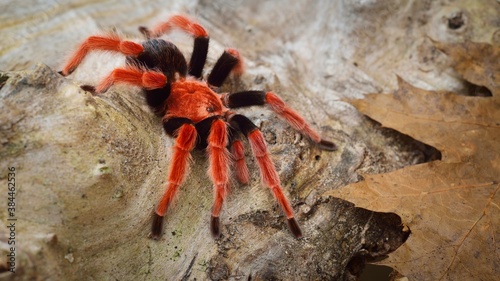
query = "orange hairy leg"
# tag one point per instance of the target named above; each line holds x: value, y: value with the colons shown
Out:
x: 271, y: 179
x: 296, y: 121
x: 268, y: 173
x: 181, y: 22
x: 250, y: 98
x: 148, y: 80
x: 238, y: 152
x: 218, y: 156
x: 184, y: 143
x: 103, y: 43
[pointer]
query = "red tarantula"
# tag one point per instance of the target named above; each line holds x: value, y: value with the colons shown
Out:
x: 194, y: 114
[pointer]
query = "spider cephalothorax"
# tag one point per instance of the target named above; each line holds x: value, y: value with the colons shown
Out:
x: 194, y: 113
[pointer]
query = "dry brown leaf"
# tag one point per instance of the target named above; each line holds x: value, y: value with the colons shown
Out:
x: 450, y: 205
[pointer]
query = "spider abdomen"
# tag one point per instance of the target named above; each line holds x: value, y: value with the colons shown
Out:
x: 161, y: 55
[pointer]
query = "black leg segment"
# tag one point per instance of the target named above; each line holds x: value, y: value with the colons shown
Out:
x: 156, y: 99
x: 246, y: 98
x: 234, y: 133
x: 173, y: 124
x: 203, y: 129
x: 199, y: 56
x: 244, y: 124
x: 157, y: 226
x: 215, y: 226
x: 221, y: 69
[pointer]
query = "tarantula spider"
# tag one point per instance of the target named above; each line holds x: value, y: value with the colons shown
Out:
x: 194, y: 114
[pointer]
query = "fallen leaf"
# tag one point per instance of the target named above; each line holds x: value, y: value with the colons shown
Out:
x: 450, y: 205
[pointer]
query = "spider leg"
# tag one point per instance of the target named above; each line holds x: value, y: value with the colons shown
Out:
x: 218, y: 156
x: 201, y: 39
x: 249, y: 98
x: 238, y: 152
x: 148, y: 80
x: 229, y: 61
x: 181, y: 22
x: 184, y: 143
x: 269, y: 175
x: 105, y: 43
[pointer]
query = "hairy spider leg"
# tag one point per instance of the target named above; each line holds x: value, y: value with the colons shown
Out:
x: 249, y: 98
x: 148, y: 80
x: 218, y: 156
x: 201, y: 39
x: 268, y: 173
x: 110, y: 42
x: 238, y: 152
x: 185, y: 142
x: 229, y: 61
x: 181, y: 22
